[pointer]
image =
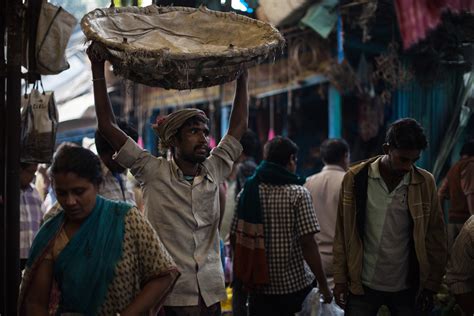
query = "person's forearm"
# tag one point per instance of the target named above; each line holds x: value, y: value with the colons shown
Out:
x: 103, y: 107
x: 239, y: 115
x: 106, y: 122
x: 313, y: 259
x: 153, y: 293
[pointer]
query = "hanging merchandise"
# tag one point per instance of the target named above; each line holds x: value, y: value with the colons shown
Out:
x: 55, y: 26
x: 417, y: 18
x: 391, y: 71
x: 321, y: 17
x: 371, y: 113
x: 39, y: 122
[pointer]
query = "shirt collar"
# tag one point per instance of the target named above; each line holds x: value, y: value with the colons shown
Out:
x: 374, y: 171
x: 204, y: 172
x: 333, y: 167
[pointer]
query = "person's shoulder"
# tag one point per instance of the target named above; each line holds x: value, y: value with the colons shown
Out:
x: 358, y: 166
x: 298, y: 189
x: 423, y: 175
x: 134, y: 217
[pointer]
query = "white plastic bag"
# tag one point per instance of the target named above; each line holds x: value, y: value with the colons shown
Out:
x: 55, y: 26
x: 313, y: 306
x: 39, y: 122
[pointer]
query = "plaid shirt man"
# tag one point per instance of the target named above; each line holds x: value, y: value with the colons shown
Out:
x: 30, y: 218
x: 288, y: 214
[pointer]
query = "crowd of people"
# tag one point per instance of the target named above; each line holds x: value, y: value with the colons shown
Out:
x: 366, y: 235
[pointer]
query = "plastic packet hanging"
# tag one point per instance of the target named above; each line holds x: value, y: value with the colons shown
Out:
x: 39, y: 123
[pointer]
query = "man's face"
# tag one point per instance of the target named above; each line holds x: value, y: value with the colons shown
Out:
x: 27, y: 174
x: 402, y: 160
x: 192, y: 143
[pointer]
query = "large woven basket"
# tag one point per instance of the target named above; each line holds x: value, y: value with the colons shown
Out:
x: 179, y: 47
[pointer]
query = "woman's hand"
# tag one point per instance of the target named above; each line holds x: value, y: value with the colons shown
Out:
x: 151, y: 296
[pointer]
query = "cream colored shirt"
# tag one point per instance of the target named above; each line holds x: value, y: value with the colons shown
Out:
x: 324, y: 188
x: 387, y: 234
x: 186, y: 216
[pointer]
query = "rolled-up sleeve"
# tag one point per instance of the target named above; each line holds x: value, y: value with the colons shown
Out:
x: 306, y: 221
x: 142, y: 164
x: 223, y: 156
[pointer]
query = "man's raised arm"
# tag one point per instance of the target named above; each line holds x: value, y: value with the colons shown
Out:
x: 105, y: 116
x: 240, y: 109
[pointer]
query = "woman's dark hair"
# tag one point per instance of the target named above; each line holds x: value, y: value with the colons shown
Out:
x: 406, y: 133
x: 83, y: 162
x: 333, y: 150
x: 279, y: 150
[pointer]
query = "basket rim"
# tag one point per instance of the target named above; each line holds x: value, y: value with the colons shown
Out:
x: 276, y: 40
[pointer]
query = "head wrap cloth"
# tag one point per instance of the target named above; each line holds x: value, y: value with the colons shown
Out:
x: 166, y: 127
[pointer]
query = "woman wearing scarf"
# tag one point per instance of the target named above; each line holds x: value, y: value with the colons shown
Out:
x: 96, y: 256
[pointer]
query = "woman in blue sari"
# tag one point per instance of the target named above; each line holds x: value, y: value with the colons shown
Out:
x: 96, y: 256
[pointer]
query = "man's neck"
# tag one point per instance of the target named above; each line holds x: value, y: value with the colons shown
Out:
x: 388, y: 177
x: 186, y: 167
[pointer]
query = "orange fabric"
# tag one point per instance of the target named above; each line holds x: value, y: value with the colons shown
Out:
x: 250, y: 262
x: 456, y: 188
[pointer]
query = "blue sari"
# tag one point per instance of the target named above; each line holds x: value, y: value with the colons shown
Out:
x: 85, y: 267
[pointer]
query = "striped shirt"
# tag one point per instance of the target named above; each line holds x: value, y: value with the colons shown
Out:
x: 30, y: 218
x: 460, y: 270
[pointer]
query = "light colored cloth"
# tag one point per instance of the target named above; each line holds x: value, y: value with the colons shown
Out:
x: 49, y: 201
x: 186, y: 216
x: 387, y: 234
x: 429, y: 232
x: 229, y: 209
x: 460, y: 270
x: 144, y: 257
x: 30, y: 218
x: 288, y: 214
x: 321, y: 17
x: 325, y: 187
x: 116, y: 188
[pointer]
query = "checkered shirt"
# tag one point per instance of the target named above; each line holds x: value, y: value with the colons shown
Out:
x: 288, y: 214
x: 30, y: 218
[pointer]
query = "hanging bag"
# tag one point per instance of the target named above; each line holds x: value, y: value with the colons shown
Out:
x: 55, y: 26
x: 39, y: 123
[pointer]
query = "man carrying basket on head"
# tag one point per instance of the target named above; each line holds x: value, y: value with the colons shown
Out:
x: 181, y: 194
